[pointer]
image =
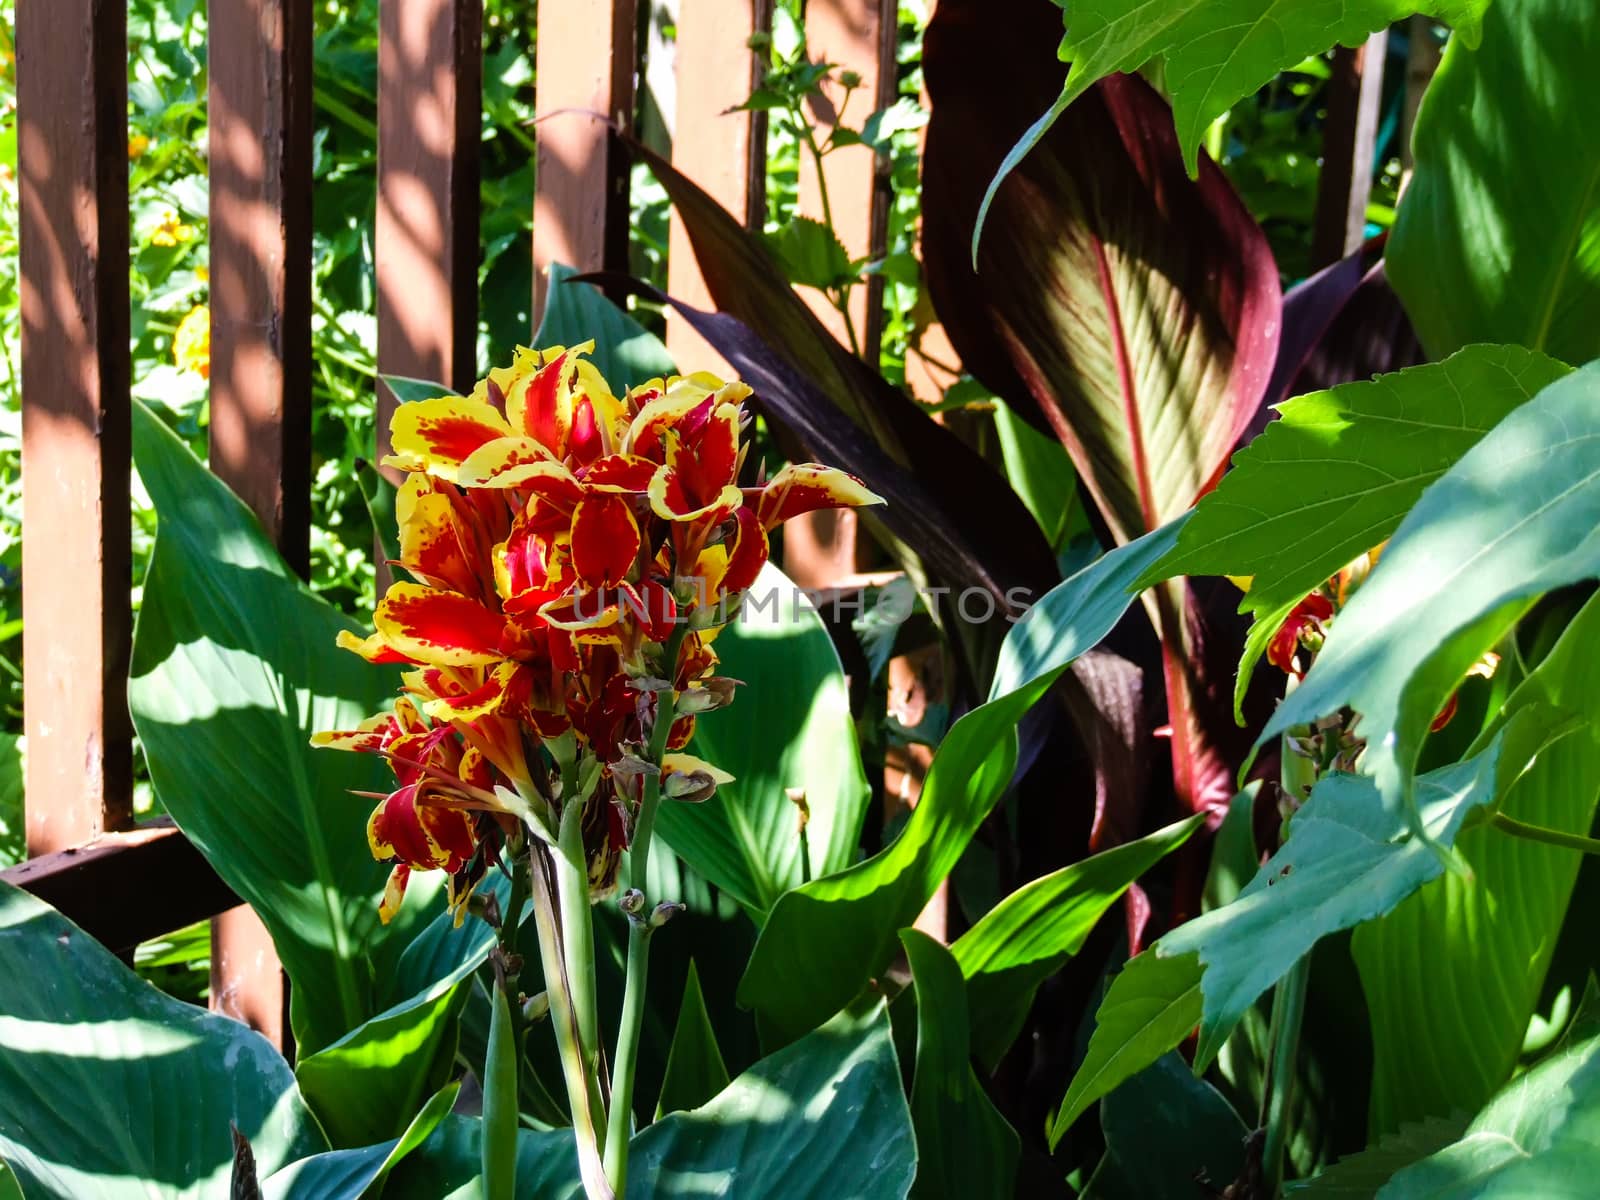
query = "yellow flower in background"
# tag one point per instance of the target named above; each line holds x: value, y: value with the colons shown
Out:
x: 137, y: 145
x: 171, y: 231
x: 191, y: 345
x: 203, y: 274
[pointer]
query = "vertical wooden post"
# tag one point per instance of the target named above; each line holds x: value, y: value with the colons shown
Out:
x: 722, y: 151
x: 859, y: 36
x: 260, y: 144
x: 585, y: 68
x: 430, y: 85
x: 73, y: 186
x: 1355, y: 93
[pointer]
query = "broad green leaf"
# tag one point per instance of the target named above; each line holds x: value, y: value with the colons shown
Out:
x: 1165, y: 1130
x: 1359, y: 1176
x: 367, y: 1086
x: 695, y: 1070
x: 811, y: 253
x: 825, y: 940
x: 788, y: 727
x: 1498, y: 236
x: 1453, y: 975
x: 109, y: 1089
x: 234, y: 668
x: 1346, y: 860
x: 965, y: 1148
x: 1153, y: 1004
x: 1517, y: 515
x: 625, y: 352
x: 1334, y: 475
x: 357, y: 1173
x: 1216, y: 52
x: 1025, y: 938
x: 823, y: 1119
x: 1540, y: 1137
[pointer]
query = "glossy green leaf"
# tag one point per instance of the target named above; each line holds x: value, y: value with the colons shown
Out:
x: 1216, y: 52
x: 368, y: 1086
x: 1453, y: 975
x: 1165, y: 1130
x: 1517, y: 515
x: 823, y: 1119
x: 448, y: 1165
x: 1540, y: 1137
x: 1025, y: 938
x: 625, y: 352
x: 788, y: 727
x: 1153, y: 1004
x: 965, y: 1148
x: 811, y: 253
x: 695, y: 1070
x: 357, y: 1173
x: 110, y: 1089
x: 234, y: 668
x: 1359, y: 1176
x: 825, y: 940
x: 1498, y: 236
x: 1333, y: 476
x: 1040, y: 469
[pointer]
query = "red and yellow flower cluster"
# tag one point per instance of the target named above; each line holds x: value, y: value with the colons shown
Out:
x: 559, y: 540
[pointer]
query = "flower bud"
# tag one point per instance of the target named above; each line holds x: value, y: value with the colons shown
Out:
x: 631, y: 902
x: 536, y: 1008
x: 849, y: 79
x: 664, y: 912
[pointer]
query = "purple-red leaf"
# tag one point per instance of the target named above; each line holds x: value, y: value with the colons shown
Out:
x: 1138, y: 309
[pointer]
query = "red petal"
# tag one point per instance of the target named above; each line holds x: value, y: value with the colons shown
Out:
x: 605, y: 539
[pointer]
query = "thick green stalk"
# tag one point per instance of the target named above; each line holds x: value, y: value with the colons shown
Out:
x: 580, y: 1094
x: 620, y: 1125
x: 577, y: 937
x: 1288, y: 1010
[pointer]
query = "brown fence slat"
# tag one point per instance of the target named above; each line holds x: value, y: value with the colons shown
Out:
x: 73, y: 185
x: 722, y: 151
x: 859, y: 36
x: 260, y: 151
x: 585, y: 69
x: 430, y: 72
x: 1349, y: 139
x: 126, y: 888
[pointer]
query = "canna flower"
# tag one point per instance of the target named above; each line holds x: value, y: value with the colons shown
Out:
x: 1304, y: 626
x: 191, y: 344
x: 555, y: 541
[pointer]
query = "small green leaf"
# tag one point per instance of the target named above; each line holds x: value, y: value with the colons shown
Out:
x: 1166, y: 1131
x: 1152, y: 1006
x: 903, y: 116
x: 1359, y: 1176
x: 1537, y: 1138
x: 1025, y: 938
x: 811, y: 253
x: 354, y: 1174
x: 965, y: 1148
x: 695, y: 1070
x: 625, y: 352
x: 1519, y: 514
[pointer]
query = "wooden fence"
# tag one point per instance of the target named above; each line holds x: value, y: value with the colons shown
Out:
x: 125, y: 882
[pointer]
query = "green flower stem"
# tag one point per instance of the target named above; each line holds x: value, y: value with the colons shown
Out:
x: 1540, y: 833
x: 620, y: 1126
x: 577, y: 939
x: 581, y: 1099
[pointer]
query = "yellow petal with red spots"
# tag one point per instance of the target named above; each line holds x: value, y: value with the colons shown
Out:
x: 807, y: 487
x: 437, y: 436
x: 507, y: 462
x: 648, y: 434
x: 375, y: 648
x: 619, y: 473
x: 468, y: 704
x: 369, y: 736
x: 687, y: 764
x: 394, y: 892
x: 539, y: 405
x: 670, y: 502
x: 431, y: 545
x: 605, y: 539
x: 748, y: 556
x: 586, y: 610
x: 445, y: 629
